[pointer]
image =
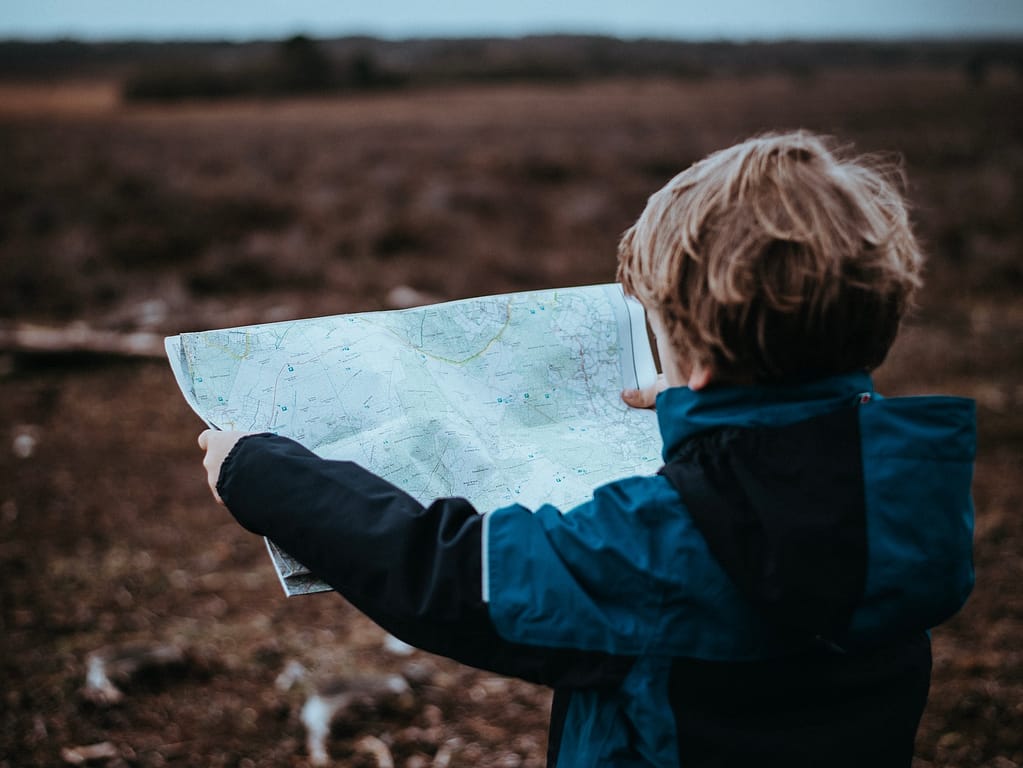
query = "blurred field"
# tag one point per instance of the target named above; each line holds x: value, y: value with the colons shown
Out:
x: 197, y: 215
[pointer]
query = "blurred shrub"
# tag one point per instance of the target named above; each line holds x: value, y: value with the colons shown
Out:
x: 297, y: 66
x: 301, y: 67
x: 183, y: 83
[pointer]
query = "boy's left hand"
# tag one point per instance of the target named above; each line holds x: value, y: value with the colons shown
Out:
x: 217, y: 445
x: 647, y: 396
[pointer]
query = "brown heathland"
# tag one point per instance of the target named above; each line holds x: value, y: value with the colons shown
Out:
x: 175, y: 218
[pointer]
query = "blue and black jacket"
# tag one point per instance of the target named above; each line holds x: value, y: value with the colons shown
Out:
x: 764, y: 599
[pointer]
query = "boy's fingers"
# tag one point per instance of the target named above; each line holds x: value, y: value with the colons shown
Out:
x: 211, y: 461
x: 632, y: 397
x: 645, y: 397
x: 217, y: 446
x: 640, y: 398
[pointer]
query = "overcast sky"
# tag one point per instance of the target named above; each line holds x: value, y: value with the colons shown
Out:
x: 698, y: 19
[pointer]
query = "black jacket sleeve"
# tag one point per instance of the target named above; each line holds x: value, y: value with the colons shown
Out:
x: 415, y: 570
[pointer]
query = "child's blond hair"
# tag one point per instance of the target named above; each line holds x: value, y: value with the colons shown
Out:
x: 776, y: 259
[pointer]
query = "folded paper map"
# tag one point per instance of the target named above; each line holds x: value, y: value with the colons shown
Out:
x: 498, y: 399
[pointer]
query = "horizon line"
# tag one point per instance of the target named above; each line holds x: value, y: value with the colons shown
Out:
x: 992, y: 36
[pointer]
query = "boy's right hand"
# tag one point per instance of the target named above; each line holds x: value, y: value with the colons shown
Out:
x: 217, y: 446
x: 645, y: 397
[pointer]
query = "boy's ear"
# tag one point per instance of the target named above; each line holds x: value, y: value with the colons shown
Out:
x: 699, y: 377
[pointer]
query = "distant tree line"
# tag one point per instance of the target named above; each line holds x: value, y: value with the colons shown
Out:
x: 301, y: 65
x: 296, y: 66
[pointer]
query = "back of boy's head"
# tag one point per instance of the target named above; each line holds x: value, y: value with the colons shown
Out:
x: 777, y: 259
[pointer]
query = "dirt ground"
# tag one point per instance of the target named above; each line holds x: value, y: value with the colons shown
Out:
x: 168, y: 219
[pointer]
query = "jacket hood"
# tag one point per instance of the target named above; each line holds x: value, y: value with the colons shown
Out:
x: 841, y: 516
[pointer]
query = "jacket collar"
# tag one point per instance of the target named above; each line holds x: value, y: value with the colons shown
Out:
x: 682, y: 413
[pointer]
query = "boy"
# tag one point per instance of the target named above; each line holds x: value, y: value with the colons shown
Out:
x: 765, y: 598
